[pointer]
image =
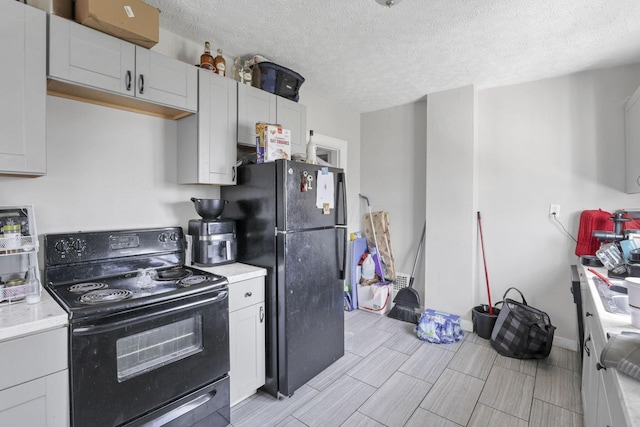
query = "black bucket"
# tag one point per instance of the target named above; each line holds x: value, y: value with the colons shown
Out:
x: 483, y: 322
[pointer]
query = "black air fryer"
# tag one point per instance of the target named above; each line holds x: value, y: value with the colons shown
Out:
x: 213, y: 239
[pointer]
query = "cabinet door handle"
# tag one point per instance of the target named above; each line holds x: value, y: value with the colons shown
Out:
x: 141, y: 83
x: 261, y: 314
x: 128, y: 80
x: 586, y: 349
x: 248, y: 295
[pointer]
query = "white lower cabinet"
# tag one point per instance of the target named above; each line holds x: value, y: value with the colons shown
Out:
x: 246, y: 338
x: 600, y: 399
x: 34, y: 380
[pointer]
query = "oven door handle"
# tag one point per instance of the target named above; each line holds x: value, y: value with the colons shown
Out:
x: 110, y: 326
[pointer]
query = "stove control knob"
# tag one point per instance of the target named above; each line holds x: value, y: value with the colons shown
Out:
x: 61, y: 246
x: 79, y: 245
x: 163, y: 237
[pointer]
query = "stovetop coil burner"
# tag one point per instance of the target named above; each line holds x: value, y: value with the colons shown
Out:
x: 105, y: 295
x: 173, y: 274
x: 193, y: 280
x: 81, y: 288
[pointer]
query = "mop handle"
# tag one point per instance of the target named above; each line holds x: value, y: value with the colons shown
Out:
x: 375, y: 241
x: 484, y: 260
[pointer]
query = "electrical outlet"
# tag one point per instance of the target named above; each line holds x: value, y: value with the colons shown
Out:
x: 554, y: 210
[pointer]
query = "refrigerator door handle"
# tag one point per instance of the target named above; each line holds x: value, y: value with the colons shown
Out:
x: 343, y: 202
x: 342, y: 231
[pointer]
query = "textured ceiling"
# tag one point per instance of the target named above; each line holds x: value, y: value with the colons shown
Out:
x: 369, y: 57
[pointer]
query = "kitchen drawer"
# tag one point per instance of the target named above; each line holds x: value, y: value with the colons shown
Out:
x: 32, y: 356
x: 246, y: 293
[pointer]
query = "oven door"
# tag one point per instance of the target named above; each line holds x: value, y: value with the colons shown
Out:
x: 129, y: 364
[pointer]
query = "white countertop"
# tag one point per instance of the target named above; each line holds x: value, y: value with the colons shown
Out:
x: 628, y: 387
x: 236, y: 272
x: 20, y: 318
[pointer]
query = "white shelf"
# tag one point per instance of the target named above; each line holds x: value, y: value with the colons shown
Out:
x: 24, y: 244
x: 18, y: 255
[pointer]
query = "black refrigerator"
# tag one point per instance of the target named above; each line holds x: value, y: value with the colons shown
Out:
x: 291, y: 220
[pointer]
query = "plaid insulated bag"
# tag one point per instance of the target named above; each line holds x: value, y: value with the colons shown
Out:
x: 521, y: 331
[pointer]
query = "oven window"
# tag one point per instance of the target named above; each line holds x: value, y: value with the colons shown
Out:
x: 142, y: 352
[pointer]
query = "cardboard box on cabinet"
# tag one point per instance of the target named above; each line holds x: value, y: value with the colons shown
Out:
x: 63, y: 8
x: 130, y: 20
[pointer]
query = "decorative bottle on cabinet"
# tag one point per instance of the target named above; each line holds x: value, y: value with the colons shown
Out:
x: 220, y: 63
x: 246, y: 73
x: 311, y: 149
x: 206, y: 60
x: 256, y: 75
x: 237, y: 70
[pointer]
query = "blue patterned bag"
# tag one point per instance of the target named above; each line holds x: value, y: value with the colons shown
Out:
x: 438, y: 327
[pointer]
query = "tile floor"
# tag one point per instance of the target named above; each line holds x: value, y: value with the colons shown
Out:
x: 388, y: 377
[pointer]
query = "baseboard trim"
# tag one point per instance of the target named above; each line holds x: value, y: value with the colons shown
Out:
x: 467, y: 326
x: 565, y: 343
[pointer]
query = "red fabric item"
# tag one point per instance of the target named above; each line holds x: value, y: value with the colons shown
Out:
x: 597, y: 220
x: 590, y: 221
x: 634, y: 224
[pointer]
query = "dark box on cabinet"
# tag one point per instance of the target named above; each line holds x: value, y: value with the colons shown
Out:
x: 130, y: 20
x: 280, y: 80
x: 63, y: 8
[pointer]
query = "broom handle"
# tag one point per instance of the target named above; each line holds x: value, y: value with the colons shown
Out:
x: 484, y: 260
x: 415, y: 262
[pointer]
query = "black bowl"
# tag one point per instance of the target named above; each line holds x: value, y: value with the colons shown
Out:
x: 209, y: 208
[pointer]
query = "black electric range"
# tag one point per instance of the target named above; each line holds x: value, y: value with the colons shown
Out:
x: 148, y: 335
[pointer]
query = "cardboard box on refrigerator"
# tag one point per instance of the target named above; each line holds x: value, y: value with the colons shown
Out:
x: 130, y: 20
x: 63, y: 8
x: 272, y: 142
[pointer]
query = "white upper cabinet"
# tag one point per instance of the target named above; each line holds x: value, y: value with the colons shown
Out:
x: 166, y: 80
x: 256, y: 105
x: 84, y: 56
x: 293, y: 116
x: 632, y: 142
x: 207, y: 140
x: 23, y: 47
x: 88, y: 65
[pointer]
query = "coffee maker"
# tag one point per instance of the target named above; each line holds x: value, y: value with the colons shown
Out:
x: 213, y: 239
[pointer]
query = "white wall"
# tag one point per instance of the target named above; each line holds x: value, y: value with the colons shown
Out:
x: 557, y: 141
x: 451, y: 189
x: 393, y: 178
x: 106, y: 169
x: 328, y: 118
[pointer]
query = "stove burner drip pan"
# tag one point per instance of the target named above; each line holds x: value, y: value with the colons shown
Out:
x: 100, y: 296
